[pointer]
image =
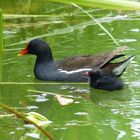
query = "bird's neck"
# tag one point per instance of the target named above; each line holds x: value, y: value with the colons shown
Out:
x: 43, y: 67
x: 44, y: 63
x: 44, y: 58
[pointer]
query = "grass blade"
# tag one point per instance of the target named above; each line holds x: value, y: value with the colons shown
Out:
x: 99, y: 24
x: 1, y: 43
x: 108, y: 4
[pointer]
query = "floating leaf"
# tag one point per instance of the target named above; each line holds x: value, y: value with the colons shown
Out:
x: 63, y: 100
x: 38, y: 118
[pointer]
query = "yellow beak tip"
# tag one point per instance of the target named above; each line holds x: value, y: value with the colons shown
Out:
x: 19, y: 55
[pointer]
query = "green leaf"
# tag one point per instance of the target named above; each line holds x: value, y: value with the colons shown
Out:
x: 38, y: 118
x: 108, y: 4
x: 1, y: 43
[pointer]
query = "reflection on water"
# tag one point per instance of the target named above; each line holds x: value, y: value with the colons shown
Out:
x: 135, y: 126
x: 76, y: 110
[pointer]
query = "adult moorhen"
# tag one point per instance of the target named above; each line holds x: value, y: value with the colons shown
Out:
x: 102, y: 80
x: 70, y: 69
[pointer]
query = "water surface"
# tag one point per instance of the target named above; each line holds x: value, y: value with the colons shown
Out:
x: 94, y: 114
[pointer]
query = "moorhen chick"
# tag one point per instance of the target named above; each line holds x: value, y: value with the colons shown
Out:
x: 101, y: 80
x: 71, y: 69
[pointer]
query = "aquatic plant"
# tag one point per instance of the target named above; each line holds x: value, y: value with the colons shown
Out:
x: 31, y: 118
x: 1, y: 43
x: 108, y: 4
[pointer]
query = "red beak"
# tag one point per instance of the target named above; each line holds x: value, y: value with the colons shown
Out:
x: 23, y: 52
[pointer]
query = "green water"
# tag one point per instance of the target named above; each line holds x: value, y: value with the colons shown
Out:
x: 94, y: 114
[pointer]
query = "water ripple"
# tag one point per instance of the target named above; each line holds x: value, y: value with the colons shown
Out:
x: 135, y: 126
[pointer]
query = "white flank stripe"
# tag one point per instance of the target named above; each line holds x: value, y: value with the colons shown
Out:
x: 75, y: 71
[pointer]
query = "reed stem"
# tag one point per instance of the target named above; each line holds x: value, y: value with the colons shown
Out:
x: 1, y: 43
x: 24, y: 118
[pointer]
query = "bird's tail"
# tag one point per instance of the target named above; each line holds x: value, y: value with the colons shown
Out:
x: 118, y: 71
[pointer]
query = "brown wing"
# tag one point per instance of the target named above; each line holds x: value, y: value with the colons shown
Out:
x: 87, y: 61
